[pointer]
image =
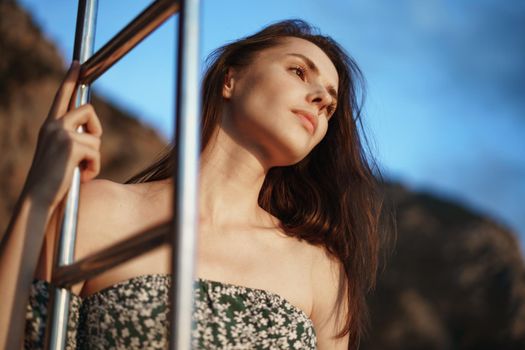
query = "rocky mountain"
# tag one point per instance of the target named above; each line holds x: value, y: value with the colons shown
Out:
x: 31, y: 70
x: 455, y: 281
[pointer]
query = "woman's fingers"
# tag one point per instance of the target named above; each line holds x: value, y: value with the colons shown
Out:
x: 86, y: 153
x: 89, y: 161
x: 84, y: 115
x: 65, y: 92
x: 61, y: 148
x: 85, y: 139
x: 58, y: 152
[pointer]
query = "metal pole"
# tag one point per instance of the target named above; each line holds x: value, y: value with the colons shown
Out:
x: 129, y: 37
x: 186, y: 158
x: 84, y: 44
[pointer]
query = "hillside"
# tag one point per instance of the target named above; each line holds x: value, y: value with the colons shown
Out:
x: 30, y: 71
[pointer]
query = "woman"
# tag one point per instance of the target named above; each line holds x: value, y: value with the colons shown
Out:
x: 288, y: 216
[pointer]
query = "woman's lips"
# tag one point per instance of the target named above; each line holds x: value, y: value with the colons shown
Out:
x: 308, y: 120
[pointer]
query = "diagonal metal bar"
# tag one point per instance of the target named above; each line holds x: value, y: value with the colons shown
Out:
x: 116, y: 254
x: 125, y: 40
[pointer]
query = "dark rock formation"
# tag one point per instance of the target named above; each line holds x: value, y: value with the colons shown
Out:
x: 455, y: 281
x: 30, y: 71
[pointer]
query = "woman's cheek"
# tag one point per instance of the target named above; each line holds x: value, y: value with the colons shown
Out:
x: 322, y: 128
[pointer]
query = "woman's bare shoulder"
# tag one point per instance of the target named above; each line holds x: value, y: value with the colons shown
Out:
x: 104, y: 210
x: 111, y: 211
x: 100, y: 189
x: 101, y: 199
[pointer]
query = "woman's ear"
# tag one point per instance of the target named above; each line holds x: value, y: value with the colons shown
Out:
x: 227, y: 86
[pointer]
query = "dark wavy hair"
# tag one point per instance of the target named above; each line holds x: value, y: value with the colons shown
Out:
x: 332, y: 197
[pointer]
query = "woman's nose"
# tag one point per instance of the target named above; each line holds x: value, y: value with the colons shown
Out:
x: 319, y: 96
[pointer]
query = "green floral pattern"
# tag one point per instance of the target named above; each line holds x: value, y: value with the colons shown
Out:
x: 134, y: 315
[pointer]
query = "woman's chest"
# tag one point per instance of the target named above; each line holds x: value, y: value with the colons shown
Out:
x: 278, y: 268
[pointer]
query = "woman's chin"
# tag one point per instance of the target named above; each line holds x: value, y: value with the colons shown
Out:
x: 291, y: 155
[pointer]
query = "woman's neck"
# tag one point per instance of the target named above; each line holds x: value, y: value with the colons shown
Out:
x: 231, y: 178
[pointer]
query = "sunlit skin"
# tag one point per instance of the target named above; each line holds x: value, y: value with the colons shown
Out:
x: 261, y: 99
x: 239, y: 242
x: 276, y: 110
x: 259, y: 128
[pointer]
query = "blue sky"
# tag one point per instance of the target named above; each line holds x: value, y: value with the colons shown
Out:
x: 445, y: 106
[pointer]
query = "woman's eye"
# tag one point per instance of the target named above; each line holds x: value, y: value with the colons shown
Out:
x: 300, y: 72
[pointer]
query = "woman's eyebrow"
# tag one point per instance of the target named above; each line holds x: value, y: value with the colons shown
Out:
x: 313, y: 67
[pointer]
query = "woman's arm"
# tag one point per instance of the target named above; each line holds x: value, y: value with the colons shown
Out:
x: 328, y: 323
x: 59, y: 150
x: 19, y: 252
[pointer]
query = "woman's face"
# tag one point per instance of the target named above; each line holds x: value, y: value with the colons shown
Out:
x: 280, y: 105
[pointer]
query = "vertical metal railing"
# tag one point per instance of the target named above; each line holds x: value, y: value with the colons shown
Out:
x: 186, y: 157
x: 59, y: 306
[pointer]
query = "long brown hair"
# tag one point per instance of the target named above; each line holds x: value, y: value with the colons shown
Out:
x: 330, y: 198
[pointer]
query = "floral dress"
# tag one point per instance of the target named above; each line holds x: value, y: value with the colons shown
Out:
x: 134, y: 315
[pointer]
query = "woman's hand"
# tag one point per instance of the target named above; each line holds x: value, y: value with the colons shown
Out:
x: 61, y: 148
